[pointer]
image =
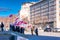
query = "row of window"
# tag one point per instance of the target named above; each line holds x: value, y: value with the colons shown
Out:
x: 36, y: 16
x: 38, y: 13
x: 51, y: 0
x: 59, y: 6
x: 52, y: 19
x: 45, y: 20
x: 52, y: 8
x: 45, y: 5
x: 52, y: 12
x: 52, y: 4
x: 59, y: 1
x: 44, y: 14
x: 44, y: 9
x: 39, y: 9
x: 50, y: 16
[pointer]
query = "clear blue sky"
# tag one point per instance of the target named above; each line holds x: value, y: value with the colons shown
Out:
x: 8, y: 7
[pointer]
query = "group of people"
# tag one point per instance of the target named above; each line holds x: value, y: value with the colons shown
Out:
x: 22, y: 29
x: 33, y: 29
x: 17, y: 28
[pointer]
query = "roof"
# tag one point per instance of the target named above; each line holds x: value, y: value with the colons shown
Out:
x: 38, y: 2
x: 27, y: 2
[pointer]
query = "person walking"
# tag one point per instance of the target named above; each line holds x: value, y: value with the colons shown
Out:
x: 17, y: 29
x: 2, y: 25
x: 22, y: 30
x: 32, y: 29
x: 36, y: 31
x: 12, y: 27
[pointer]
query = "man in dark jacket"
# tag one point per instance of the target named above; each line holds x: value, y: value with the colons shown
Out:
x: 36, y: 31
x: 2, y: 25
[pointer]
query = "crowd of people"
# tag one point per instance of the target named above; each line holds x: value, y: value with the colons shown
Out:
x: 18, y: 29
x: 22, y: 29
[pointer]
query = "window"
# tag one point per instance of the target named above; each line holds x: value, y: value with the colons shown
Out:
x: 51, y: 1
x: 59, y: 5
x: 45, y: 3
x: 59, y: 2
x: 53, y: 8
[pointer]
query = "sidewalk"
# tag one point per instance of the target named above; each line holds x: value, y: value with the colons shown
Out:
x: 42, y: 36
x: 55, y: 34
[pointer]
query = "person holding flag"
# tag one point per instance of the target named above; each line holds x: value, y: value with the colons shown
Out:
x: 16, y: 24
x: 19, y: 23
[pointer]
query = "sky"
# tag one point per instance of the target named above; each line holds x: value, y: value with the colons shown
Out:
x: 8, y: 7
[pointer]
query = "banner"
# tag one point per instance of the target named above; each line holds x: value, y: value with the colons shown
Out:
x: 20, y: 22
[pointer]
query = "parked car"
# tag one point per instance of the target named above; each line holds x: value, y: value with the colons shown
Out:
x: 56, y: 29
x: 47, y: 30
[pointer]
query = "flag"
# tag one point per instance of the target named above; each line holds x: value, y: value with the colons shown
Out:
x: 16, y: 21
x: 10, y: 15
x: 20, y: 23
x: 25, y: 22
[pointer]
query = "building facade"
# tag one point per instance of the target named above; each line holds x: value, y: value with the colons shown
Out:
x: 46, y: 12
x: 25, y: 11
x: 7, y: 21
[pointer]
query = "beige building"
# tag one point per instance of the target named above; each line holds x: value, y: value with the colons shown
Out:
x: 8, y: 20
x: 25, y: 11
x: 46, y: 12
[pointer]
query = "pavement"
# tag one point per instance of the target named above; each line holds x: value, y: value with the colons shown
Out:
x: 42, y: 33
x: 28, y: 36
x: 42, y: 36
x: 54, y: 34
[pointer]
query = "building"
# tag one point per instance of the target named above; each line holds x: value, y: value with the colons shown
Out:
x: 8, y: 20
x: 25, y: 11
x: 46, y: 12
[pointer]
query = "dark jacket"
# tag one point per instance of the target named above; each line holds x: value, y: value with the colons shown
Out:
x: 2, y: 25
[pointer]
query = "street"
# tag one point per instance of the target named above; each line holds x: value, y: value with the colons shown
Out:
x: 32, y: 37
